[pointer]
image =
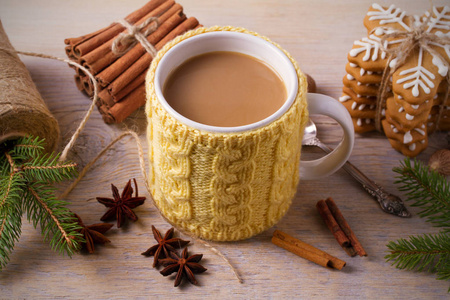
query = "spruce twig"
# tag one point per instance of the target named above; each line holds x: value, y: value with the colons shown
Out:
x: 27, y: 176
x: 10, y: 217
x: 428, y: 252
x: 430, y: 191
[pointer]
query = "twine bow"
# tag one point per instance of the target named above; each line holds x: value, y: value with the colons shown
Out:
x: 418, y: 36
x: 127, y: 40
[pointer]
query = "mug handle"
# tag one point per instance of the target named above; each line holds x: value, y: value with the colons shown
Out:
x: 330, y: 163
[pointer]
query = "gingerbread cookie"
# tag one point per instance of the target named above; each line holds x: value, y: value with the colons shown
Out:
x: 363, y: 125
x: 361, y: 88
x: 414, y: 103
x: 363, y: 75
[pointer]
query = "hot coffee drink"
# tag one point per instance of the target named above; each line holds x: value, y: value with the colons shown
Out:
x: 225, y: 89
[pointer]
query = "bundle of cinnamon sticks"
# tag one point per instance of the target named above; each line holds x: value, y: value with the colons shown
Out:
x: 122, y: 78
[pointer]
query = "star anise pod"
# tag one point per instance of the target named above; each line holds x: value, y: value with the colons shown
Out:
x: 121, y: 206
x: 165, y: 245
x: 94, y: 234
x: 184, y: 266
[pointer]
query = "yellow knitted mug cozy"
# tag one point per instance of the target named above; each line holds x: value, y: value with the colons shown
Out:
x: 223, y: 186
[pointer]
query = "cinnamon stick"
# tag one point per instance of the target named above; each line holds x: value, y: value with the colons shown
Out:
x: 187, y: 25
x: 306, y: 251
x: 100, y: 57
x: 105, y: 99
x: 73, y: 41
x: 79, y: 82
x: 331, y: 223
x: 109, y: 100
x: 130, y: 87
x: 144, y: 61
x: 104, y: 111
x: 69, y: 53
x: 85, y: 46
x: 345, y: 227
x: 169, y: 20
x: 87, y: 84
x: 121, y: 110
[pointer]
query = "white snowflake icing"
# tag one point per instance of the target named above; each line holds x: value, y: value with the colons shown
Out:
x: 389, y: 15
x: 422, y: 132
x: 344, y: 98
x: 442, y: 68
x: 367, y: 44
x: 440, y: 20
x: 373, y: 42
x: 420, y: 77
x: 409, y: 117
x: 407, y: 138
x: 417, y: 76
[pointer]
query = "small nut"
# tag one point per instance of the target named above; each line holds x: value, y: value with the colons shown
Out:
x: 440, y: 162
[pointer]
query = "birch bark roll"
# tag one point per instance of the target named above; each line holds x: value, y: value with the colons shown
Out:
x: 22, y: 110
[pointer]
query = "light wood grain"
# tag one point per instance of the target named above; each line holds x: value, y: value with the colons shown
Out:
x: 318, y: 34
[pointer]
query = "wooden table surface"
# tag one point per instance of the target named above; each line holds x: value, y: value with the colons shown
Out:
x: 319, y: 35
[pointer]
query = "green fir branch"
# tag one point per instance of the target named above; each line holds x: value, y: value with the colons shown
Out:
x: 11, y: 187
x: 10, y: 230
x: 26, y: 178
x: 58, y: 224
x: 47, y: 168
x: 428, y: 190
x: 444, y: 272
x: 29, y: 147
x: 4, y: 166
x: 10, y: 216
x: 428, y: 252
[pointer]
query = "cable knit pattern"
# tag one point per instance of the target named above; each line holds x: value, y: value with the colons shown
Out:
x: 223, y: 186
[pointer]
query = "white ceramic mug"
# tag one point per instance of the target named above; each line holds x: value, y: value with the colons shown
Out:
x: 273, y: 56
x: 230, y: 183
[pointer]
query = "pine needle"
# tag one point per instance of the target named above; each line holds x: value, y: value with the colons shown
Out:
x: 430, y: 191
x: 58, y: 224
x: 428, y: 252
x: 10, y: 224
x: 26, y: 185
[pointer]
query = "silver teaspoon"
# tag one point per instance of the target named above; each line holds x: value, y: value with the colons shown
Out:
x: 388, y: 202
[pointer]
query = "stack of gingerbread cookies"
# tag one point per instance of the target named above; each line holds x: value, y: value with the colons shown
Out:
x: 416, y: 100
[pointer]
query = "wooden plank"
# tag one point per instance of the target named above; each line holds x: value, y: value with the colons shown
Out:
x: 318, y: 34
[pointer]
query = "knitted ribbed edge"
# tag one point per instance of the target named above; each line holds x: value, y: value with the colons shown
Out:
x: 223, y: 186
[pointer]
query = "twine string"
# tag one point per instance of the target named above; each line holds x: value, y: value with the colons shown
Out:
x: 418, y: 36
x: 141, y: 154
x: 127, y: 40
x: 83, y: 122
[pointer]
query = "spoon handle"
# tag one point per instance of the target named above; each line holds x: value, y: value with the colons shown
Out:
x: 388, y: 202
